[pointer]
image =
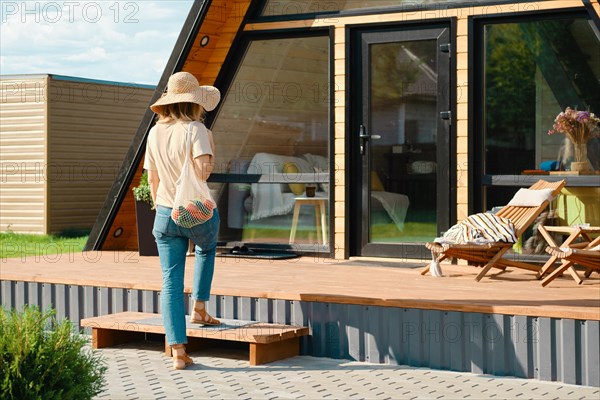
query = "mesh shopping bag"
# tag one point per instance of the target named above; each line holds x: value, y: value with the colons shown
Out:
x: 193, y: 203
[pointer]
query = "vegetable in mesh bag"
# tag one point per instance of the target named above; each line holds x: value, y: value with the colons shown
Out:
x: 196, y: 212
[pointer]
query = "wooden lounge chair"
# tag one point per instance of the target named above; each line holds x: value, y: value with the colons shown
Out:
x: 585, y: 257
x: 490, y: 254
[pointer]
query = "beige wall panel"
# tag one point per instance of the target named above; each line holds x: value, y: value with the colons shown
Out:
x: 462, y: 111
x: 462, y: 61
x: 339, y: 247
x: 340, y: 208
x: 462, y: 211
x: 340, y: 67
x: 462, y: 78
x: 340, y: 192
x: 340, y: 178
x: 462, y: 145
x: 340, y: 84
x: 462, y: 44
x: 340, y: 226
x: 462, y: 93
x: 339, y: 32
x: 462, y: 27
x: 462, y: 128
x: 340, y: 161
x: 339, y: 98
x: 340, y: 114
x: 462, y: 162
x: 462, y: 177
x: 462, y: 195
x: 340, y: 131
x: 340, y: 146
x: 22, y: 154
x: 90, y: 129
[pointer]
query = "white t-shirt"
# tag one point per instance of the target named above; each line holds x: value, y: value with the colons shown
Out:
x: 165, y: 153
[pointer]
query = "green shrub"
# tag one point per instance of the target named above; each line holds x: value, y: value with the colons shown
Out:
x: 42, y: 359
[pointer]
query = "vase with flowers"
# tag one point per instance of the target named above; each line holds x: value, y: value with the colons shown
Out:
x: 579, y: 127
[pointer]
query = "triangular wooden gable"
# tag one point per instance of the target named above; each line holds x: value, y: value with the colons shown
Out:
x: 201, y: 49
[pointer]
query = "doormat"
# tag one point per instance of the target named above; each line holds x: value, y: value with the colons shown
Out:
x: 224, y: 325
x: 261, y: 255
x: 245, y: 252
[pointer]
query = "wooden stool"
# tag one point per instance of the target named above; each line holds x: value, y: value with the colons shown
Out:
x: 320, y: 204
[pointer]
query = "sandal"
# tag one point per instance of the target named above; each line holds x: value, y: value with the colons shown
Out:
x: 204, y: 317
x: 181, y: 361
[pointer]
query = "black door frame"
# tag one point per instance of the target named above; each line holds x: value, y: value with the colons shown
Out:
x: 356, y: 209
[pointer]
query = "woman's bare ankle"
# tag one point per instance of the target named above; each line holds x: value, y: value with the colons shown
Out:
x: 178, y: 349
x: 201, y: 316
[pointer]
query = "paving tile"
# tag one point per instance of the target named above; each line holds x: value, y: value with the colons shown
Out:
x: 141, y: 370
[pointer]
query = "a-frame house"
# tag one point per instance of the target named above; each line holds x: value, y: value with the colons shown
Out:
x: 405, y: 116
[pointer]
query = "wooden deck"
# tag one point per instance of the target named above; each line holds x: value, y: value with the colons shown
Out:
x: 325, y: 280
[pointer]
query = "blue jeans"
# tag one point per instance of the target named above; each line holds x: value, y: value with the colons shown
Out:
x: 172, y: 242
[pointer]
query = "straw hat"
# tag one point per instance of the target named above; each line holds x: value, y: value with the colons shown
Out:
x: 183, y: 87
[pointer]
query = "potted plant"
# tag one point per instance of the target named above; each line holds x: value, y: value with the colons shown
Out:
x: 144, y: 214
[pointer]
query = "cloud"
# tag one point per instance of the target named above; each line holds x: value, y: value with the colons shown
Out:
x: 92, y: 55
x: 117, y: 40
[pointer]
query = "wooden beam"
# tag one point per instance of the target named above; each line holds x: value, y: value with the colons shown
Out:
x: 266, y: 353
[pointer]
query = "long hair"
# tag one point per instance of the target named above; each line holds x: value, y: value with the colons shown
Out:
x: 180, y: 112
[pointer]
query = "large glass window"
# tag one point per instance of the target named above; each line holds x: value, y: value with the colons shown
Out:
x: 272, y: 139
x: 533, y: 70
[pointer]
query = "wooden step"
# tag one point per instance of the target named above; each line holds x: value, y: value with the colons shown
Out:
x: 268, y: 342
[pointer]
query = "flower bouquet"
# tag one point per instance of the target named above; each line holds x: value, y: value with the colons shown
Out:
x: 579, y: 127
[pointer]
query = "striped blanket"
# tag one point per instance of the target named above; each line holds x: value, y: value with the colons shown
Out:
x: 480, y: 228
x: 475, y: 229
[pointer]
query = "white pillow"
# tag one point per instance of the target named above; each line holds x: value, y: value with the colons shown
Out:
x: 530, y: 198
x: 317, y: 161
x: 323, y: 185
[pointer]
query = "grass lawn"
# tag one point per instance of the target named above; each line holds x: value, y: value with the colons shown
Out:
x: 22, y: 245
x: 413, y: 232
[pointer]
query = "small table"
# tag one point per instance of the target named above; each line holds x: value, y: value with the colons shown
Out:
x: 574, y: 232
x: 320, y: 217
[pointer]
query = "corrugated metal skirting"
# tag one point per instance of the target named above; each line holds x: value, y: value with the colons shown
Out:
x: 530, y: 347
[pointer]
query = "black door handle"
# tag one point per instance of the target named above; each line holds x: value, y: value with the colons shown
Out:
x: 364, y: 138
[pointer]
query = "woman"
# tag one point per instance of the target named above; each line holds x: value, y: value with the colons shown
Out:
x: 180, y: 112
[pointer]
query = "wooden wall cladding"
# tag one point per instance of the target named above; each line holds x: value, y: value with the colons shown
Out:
x: 214, y: 39
x: 123, y: 231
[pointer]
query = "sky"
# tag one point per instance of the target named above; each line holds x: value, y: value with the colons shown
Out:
x: 121, y: 41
